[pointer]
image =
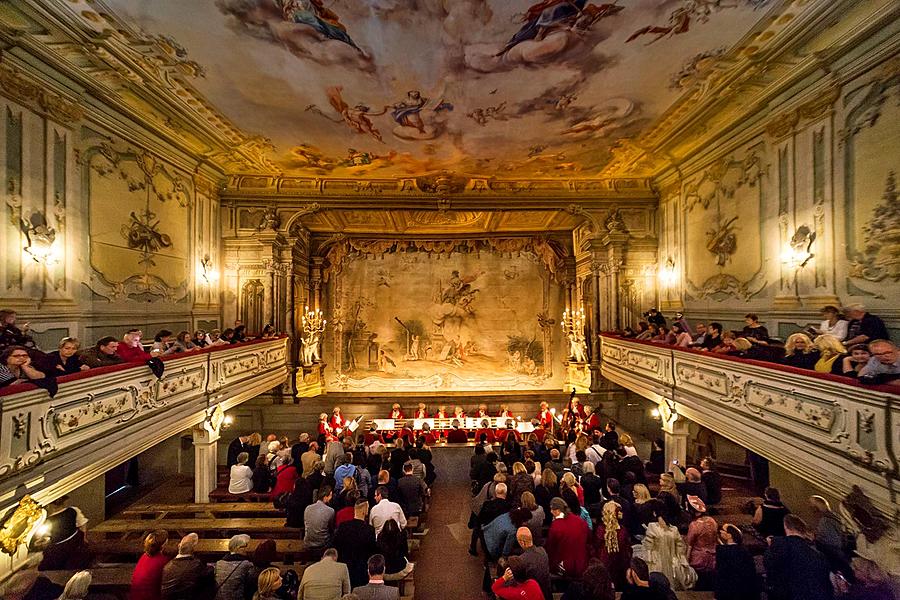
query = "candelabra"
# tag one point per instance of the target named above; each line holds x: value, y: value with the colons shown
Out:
x: 313, y: 327
x: 573, y: 328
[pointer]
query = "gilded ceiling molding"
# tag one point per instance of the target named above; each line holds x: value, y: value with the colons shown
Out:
x: 17, y: 87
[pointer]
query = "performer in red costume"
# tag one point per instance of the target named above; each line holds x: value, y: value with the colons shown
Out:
x: 505, y: 434
x: 504, y: 411
x: 430, y: 438
x: 324, y: 426
x: 485, y: 428
x: 338, y: 422
x: 441, y: 414
x: 421, y: 412
x: 591, y: 421
x: 482, y: 411
x: 545, y: 417
x: 396, y: 414
x: 457, y: 435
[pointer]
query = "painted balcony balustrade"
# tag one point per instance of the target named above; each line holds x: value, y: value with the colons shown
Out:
x: 102, y: 417
x: 830, y: 430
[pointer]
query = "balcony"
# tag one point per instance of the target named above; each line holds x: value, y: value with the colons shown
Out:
x: 830, y: 430
x: 102, y: 417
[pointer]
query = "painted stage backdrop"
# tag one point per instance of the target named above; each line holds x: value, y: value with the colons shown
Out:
x: 423, y: 321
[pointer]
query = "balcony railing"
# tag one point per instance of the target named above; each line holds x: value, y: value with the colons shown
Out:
x: 102, y: 417
x: 830, y: 430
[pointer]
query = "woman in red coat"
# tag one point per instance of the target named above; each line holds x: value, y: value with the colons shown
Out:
x: 285, y: 478
x: 515, y: 584
x: 567, y: 541
x: 147, y: 576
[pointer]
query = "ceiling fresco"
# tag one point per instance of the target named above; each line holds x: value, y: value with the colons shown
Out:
x: 398, y: 87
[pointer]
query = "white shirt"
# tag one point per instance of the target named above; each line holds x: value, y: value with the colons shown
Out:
x: 838, y: 330
x: 383, y: 511
x: 241, y: 479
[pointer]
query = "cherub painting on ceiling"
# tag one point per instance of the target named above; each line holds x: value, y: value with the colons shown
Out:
x: 691, y: 11
x: 314, y: 14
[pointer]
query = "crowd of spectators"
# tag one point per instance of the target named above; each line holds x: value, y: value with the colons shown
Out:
x: 21, y: 360
x: 850, y: 342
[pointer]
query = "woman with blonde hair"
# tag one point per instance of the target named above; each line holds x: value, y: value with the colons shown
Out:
x: 536, y: 523
x: 610, y: 543
x: 799, y: 352
x: 77, y: 586
x: 268, y: 584
x: 520, y: 481
x: 670, y: 497
x: 546, y: 491
x: 626, y: 442
x: 830, y: 350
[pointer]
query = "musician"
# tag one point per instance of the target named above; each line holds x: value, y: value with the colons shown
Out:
x: 421, y: 412
x: 457, y: 435
x: 484, y: 427
x: 396, y: 412
x: 338, y: 422
x: 430, y: 438
x: 482, y: 411
x: 591, y: 421
x: 459, y: 413
x: 539, y: 431
x: 545, y: 417
x: 325, y: 427
x: 373, y: 436
x: 577, y: 407
x: 505, y: 412
x: 441, y: 412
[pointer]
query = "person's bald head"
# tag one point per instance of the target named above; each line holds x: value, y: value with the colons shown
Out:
x: 523, y: 536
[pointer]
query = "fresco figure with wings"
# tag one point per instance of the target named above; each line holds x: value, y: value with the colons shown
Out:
x: 314, y: 14
x: 357, y: 118
x: 542, y: 17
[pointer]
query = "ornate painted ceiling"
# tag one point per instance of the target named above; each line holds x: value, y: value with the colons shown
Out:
x: 388, y: 88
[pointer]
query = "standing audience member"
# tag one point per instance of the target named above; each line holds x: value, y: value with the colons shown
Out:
x: 375, y: 589
x: 666, y: 552
x: 66, y: 548
x: 701, y: 539
x: 611, y: 544
x: 66, y: 360
x: 712, y: 481
x: 515, y: 584
x: 829, y: 536
x: 864, y: 327
x: 384, y: 510
x: 393, y: 546
x: 147, y: 576
x: 318, y: 521
x: 235, y: 574
x: 535, y: 560
x: 186, y: 577
x: 794, y: 568
x: 244, y: 443
x: 567, y: 541
x: 325, y: 580
x: 355, y: 542
x: 412, y: 492
x: 769, y: 516
x: 241, y: 476
x: 736, y: 577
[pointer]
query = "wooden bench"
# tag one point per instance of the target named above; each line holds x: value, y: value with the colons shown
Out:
x: 208, y: 549
x: 210, y: 510
x: 221, y: 494
x: 254, y: 527
x: 115, y: 580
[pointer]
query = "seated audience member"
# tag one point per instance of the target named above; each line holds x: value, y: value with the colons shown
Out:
x: 186, y: 577
x: 834, y: 324
x: 262, y: 481
x: 375, y: 589
x: 683, y: 338
x: 215, y: 338
x: 161, y: 342
x: 611, y: 544
x: 736, y: 577
x: 794, y: 568
x: 864, y: 327
x: 643, y: 331
x: 515, y: 583
x: 595, y: 584
x: 268, y: 332
x: 799, y: 352
x: 393, y: 546
x: 666, y: 553
x: 567, y: 541
x: 831, y: 350
x: 699, y: 335
x: 639, y: 586
x: 318, y: 520
x: 355, y: 542
x: 103, y: 354
x: 701, y: 539
x: 769, y: 516
x: 130, y: 348
x: 871, y: 582
x: 851, y: 365
x: 235, y: 574
x: 726, y: 343
x: 66, y: 547
x: 412, y: 492
x: 200, y: 339
x: 241, y: 476
x: 66, y: 360
x: 753, y: 331
x: 741, y: 347
x: 713, y: 337
x: 384, y: 510
x: 327, y: 578
x: 11, y: 335
x: 15, y: 366
x: 663, y: 335
x: 269, y: 584
x: 239, y: 334
x: 148, y: 571
x: 77, y: 586
x: 711, y: 480
x: 182, y: 343
x: 225, y: 338
x: 884, y: 366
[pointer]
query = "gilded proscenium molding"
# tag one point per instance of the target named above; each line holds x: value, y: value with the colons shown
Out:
x: 832, y: 434
x: 22, y: 89
x: 36, y: 429
x: 551, y: 254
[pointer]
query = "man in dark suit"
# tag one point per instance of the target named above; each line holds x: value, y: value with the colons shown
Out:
x: 186, y: 577
x: 794, y: 568
x: 355, y: 543
x: 245, y: 443
x: 375, y: 589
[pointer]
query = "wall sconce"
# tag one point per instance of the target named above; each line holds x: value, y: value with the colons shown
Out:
x: 797, y: 253
x: 39, y: 239
x: 668, y: 276
x: 207, y: 272
x: 18, y: 528
x: 227, y: 422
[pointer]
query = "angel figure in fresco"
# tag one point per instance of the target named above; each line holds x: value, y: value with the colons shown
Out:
x: 314, y: 14
x: 680, y: 19
x: 459, y: 290
x: 408, y: 112
x: 546, y: 15
x: 357, y: 118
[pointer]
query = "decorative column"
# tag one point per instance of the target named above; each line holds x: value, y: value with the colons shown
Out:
x: 315, y: 282
x: 206, y: 440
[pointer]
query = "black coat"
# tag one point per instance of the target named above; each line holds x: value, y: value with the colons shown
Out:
x: 355, y: 542
x: 736, y: 577
x: 795, y: 569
